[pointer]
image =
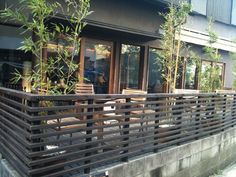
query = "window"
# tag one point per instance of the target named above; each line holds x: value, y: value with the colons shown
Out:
x: 190, y: 75
x: 97, y: 59
x: 155, y: 81
x: 220, y: 67
x: 199, y: 6
x: 212, y: 75
x: 129, y: 67
x: 233, y: 14
x: 180, y: 74
x: 12, y: 59
x: 219, y: 10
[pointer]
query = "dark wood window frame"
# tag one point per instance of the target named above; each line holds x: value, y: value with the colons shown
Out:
x: 212, y: 62
x: 142, y: 65
x: 112, y: 63
x: 148, y: 62
x: 198, y: 71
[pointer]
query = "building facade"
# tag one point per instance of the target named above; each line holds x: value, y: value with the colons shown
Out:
x: 120, y: 44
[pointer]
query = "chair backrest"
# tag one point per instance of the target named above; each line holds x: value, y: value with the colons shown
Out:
x: 225, y: 91
x: 135, y: 92
x: 109, y: 108
x: 82, y: 88
x: 183, y: 91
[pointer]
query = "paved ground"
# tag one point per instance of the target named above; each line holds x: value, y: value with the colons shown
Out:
x: 230, y: 171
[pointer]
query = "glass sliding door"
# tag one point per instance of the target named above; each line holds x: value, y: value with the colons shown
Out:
x: 129, y: 67
x: 155, y: 81
x: 97, y: 59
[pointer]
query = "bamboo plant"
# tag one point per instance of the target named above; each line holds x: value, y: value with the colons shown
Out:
x: 171, y: 42
x: 210, y: 79
x: 36, y: 16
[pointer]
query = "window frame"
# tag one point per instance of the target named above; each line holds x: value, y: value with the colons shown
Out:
x: 82, y: 61
x: 141, y: 63
x: 212, y: 62
x: 148, y: 66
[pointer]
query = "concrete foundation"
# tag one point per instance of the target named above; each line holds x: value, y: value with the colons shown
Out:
x: 6, y: 169
x: 199, y: 158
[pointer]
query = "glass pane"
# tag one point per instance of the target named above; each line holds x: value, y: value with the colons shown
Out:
x: 97, y: 65
x: 233, y: 14
x: 190, y: 75
x: 206, y: 65
x: 205, y: 76
x: 220, y: 70
x: 129, y: 67
x: 180, y: 74
x: 154, y: 78
x: 199, y: 6
x: 12, y: 61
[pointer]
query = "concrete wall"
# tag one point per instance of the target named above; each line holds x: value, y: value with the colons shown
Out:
x: 200, y: 23
x: 200, y: 158
x: 6, y: 170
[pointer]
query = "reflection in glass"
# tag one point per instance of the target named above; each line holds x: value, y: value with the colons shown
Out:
x: 211, y: 75
x: 180, y: 74
x: 190, y: 75
x: 205, y: 76
x: 97, y: 65
x: 206, y: 65
x: 10, y: 62
x: 220, y: 67
x: 129, y: 67
x: 155, y: 80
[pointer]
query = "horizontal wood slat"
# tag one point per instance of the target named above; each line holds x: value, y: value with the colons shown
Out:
x: 64, y: 135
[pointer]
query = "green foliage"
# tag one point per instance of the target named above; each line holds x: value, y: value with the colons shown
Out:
x: 174, y: 20
x: 62, y: 66
x: 193, y: 60
x: 233, y: 57
x: 210, y: 79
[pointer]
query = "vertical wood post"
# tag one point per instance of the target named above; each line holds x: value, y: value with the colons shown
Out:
x: 126, y: 130
x: 88, y: 132
x: 197, y: 116
x: 156, y: 127
x: 33, y: 104
x: 213, y: 112
x: 179, y: 117
x: 233, y: 116
x: 224, y: 112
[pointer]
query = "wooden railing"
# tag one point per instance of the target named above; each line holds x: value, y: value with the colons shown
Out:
x: 76, y: 134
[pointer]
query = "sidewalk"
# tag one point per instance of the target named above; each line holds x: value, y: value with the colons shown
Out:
x: 229, y: 171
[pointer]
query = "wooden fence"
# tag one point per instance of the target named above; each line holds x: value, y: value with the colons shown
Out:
x: 77, y: 134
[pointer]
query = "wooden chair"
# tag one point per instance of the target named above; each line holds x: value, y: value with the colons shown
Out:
x: 185, y: 91
x: 111, y: 109
x: 83, y: 89
x: 225, y: 91
x: 66, y: 127
x: 189, y: 109
x: 80, y: 89
x: 141, y: 105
